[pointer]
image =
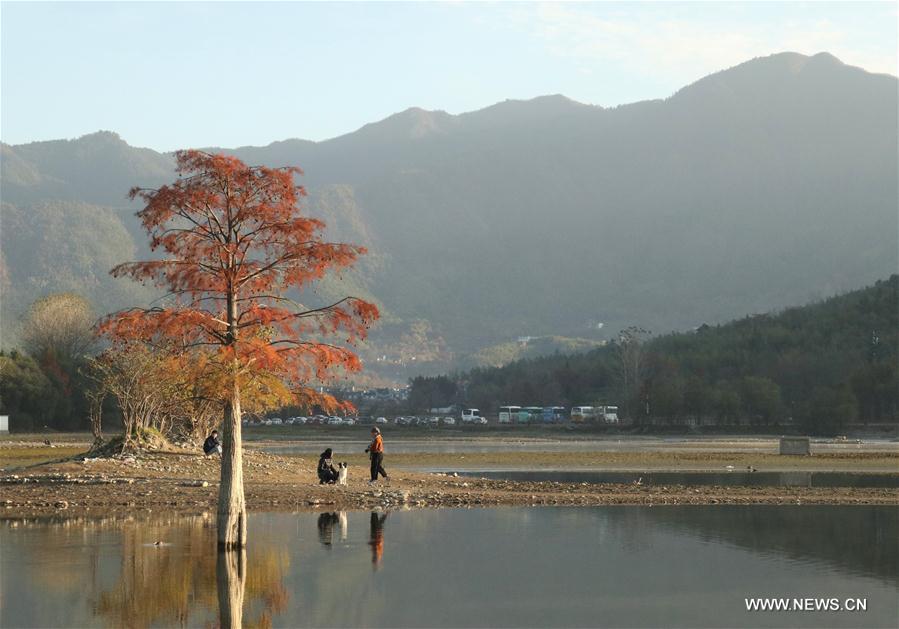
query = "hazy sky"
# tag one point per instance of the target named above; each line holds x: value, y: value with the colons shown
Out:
x: 173, y: 75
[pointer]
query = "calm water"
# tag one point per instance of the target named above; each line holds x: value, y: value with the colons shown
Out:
x: 605, y: 566
x: 754, y: 479
x: 448, y: 445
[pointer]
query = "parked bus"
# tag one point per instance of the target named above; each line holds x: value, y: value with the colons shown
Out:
x: 581, y: 414
x: 553, y: 414
x: 508, y: 414
x: 530, y: 414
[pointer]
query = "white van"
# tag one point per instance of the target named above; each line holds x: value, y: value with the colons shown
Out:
x: 470, y: 415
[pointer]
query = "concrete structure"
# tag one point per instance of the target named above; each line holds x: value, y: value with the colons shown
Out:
x: 794, y: 445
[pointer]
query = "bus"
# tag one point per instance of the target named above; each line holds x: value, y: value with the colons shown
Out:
x: 553, y: 414
x: 530, y: 414
x: 508, y: 413
x: 581, y: 414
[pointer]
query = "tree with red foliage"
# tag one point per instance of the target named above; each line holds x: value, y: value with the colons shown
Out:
x: 234, y: 242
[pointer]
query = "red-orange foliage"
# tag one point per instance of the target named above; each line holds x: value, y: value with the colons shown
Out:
x: 234, y: 242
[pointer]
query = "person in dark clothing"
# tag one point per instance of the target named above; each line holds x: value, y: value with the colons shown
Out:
x: 212, y: 445
x: 327, y: 473
x: 376, y: 451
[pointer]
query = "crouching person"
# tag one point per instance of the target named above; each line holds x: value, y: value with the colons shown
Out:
x: 212, y: 445
x: 327, y: 473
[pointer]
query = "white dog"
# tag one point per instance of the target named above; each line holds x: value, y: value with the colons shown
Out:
x: 341, y: 474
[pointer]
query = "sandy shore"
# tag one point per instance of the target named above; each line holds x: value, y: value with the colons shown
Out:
x: 184, y: 481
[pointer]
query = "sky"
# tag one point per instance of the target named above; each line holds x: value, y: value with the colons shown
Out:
x: 169, y: 75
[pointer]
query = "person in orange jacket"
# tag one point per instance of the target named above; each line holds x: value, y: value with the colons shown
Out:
x: 376, y: 452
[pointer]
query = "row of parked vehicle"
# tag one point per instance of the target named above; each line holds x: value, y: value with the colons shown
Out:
x: 435, y: 421
x: 333, y: 420
x: 316, y: 420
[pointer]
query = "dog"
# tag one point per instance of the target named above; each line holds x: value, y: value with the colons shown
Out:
x: 341, y: 474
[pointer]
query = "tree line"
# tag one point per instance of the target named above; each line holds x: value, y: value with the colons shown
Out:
x: 819, y: 367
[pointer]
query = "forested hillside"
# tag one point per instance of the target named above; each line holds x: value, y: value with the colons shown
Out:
x: 820, y: 366
x: 764, y: 185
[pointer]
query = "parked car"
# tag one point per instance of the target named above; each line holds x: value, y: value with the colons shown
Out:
x: 349, y: 421
x: 449, y: 421
x: 381, y: 420
x: 335, y: 421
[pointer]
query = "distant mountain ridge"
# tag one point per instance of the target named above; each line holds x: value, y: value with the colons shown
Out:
x: 764, y: 185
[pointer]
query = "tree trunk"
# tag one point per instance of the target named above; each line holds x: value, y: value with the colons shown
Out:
x: 232, y: 509
x: 230, y: 580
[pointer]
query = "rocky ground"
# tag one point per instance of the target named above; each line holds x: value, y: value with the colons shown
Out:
x: 183, y: 481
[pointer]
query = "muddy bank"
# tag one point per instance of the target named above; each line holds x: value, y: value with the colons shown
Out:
x: 185, y: 482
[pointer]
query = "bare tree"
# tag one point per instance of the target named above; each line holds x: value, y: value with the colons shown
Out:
x: 95, y: 398
x: 632, y: 365
x: 59, y: 325
x: 142, y: 384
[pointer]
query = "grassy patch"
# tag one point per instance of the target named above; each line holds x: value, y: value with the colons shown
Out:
x: 22, y: 456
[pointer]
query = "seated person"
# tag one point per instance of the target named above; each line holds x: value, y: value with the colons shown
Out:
x: 327, y: 473
x: 212, y: 445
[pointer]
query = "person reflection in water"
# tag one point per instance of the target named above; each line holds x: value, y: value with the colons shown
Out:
x: 326, y: 522
x: 377, y: 537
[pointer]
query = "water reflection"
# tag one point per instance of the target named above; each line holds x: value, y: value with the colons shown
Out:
x: 231, y: 580
x: 618, y: 566
x: 376, y: 537
x: 329, y: 520
x: 162, y: 571
x: 326, y: 522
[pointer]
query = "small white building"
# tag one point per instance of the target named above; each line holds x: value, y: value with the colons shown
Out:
x: 4, y: 423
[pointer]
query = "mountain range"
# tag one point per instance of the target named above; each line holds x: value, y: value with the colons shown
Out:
x: 764, y: 185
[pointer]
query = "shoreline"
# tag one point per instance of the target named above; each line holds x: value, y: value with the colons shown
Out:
x: 184, y: 482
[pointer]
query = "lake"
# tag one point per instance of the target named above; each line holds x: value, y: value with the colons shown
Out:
x: 626, y: 566
x: 693, y: 479
x: 446, y: 444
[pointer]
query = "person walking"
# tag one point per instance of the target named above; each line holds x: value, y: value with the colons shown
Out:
x: 376, y: 452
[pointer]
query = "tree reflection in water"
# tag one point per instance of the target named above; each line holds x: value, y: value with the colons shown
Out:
x: 183, y: 584
x: 231, y: 579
